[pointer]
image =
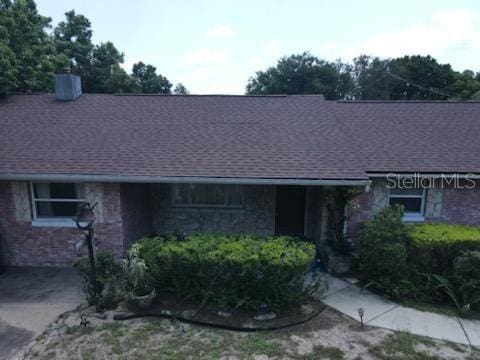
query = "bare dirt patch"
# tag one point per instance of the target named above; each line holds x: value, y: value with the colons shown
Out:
x: 328, y: 336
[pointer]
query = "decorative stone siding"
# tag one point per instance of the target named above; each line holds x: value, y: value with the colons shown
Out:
x: 257, y: 215
x: 28, y: 245
x: 136, y: 212
x: 21, y: 198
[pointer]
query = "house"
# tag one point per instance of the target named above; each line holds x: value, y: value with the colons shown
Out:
x: 214, y: 163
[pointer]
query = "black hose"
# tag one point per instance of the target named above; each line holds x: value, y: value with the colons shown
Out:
x: 215, y: 325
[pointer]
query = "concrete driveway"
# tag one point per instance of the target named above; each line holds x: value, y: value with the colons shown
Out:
x: 30, y: 299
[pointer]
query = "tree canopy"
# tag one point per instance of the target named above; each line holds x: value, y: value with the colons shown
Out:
x: 367, y: 78
x: 30, y: 54
x: 302, y: 74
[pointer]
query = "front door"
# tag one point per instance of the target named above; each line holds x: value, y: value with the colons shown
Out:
x: 290, y: 210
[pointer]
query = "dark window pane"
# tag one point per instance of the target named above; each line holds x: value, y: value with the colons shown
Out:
x: 56, y: 209
x: 234, y: 195
x: 413, y: 205
x: 57, y: 191
x: 403, y: 191
x: 202, y: 194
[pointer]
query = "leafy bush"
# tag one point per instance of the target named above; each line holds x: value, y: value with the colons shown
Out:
x: 135, y: 279
x: 434, y: 247
x: 383, y: 254
x: 465, y: 280
x: 230, y: 270
x: 107, y: 280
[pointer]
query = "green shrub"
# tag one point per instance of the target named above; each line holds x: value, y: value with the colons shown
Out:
x: 107, y: 271
x: 383, y: 255
x: 230, y: 270
x: 434, y: 247
x: 466, y: 279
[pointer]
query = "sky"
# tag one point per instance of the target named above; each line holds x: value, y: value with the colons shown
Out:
x: 215, y: 46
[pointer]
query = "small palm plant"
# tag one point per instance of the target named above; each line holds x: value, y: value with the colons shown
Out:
x: 136, y: 285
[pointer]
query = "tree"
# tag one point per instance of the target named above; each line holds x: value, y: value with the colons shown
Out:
x: 303, y: 74
x: 371, y: 78
x: 8, y: 70
x: 466, y: 86
x: 420, y: 78
x: 27, y: 51
x: 180, y: 89
x: 405, y: 78
x: 148, y: 80
x: 105, y: 74
x: 73, y: 39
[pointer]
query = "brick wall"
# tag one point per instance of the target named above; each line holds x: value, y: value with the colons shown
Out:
x: 28, y: 245
x: 256, y: 217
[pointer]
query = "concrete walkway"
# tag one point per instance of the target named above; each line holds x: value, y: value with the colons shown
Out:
x: 344, y: 296
x: 30, y: 299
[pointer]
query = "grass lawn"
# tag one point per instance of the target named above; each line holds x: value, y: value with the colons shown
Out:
x: 328, y: 336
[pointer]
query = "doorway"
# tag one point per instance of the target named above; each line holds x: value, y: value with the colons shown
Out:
x: 290, y: 210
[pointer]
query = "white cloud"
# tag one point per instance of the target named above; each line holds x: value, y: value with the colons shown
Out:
x: 206, y: 56
x: 444, y: 34
x: 221, y: 32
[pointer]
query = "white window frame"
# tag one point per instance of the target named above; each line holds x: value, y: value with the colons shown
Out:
x: 412, y: 216
x: 52, y: 220
x: 225, y: 204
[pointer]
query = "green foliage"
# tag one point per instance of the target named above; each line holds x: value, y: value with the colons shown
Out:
x: 303, y: 74
x: 26, y: 51
x: 336, y: 201
x: 29, y: 55
x: 73, y: 39
x: 462, y: 285
x: 135, y: 273
x: 383, y: 254
x: 148, y: 80
x: 107, y: 270
x: 434, y: 262
x: 434, y: 247
x: 180, y: 89
x: 230, y: 270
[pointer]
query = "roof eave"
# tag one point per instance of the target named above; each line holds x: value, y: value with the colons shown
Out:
x: 181, y: 179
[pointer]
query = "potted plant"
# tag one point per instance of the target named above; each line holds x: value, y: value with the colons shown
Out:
x: 137, y: 288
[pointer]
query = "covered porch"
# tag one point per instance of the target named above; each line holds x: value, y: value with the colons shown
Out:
x: 284, y: 208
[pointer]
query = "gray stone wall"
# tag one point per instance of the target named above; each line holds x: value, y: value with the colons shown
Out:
x: 256, y: 217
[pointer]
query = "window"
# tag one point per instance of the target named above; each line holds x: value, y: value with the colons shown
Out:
x: 207, y: 195
x: 413, y: 201
x: 56, y: 200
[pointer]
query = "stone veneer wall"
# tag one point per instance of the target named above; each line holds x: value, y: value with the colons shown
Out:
x: 27, y: 245
x: 256, y: 217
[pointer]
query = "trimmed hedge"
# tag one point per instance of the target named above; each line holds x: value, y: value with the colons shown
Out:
x: 433, y: 247
x: 230, y: 270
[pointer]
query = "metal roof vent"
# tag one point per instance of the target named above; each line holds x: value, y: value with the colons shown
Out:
x: 68, y: 87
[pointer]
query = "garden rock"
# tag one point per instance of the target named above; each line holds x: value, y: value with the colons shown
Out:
x: 188, y: 314
x: 265, y: 317
x: 224, y: 314
x: 306, y: 309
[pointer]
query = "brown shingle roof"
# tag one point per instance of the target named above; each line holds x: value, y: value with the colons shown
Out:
x: 282, y: 137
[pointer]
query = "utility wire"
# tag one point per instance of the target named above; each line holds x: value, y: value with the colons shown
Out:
x: 398, y: 77
x: 417, y: 85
